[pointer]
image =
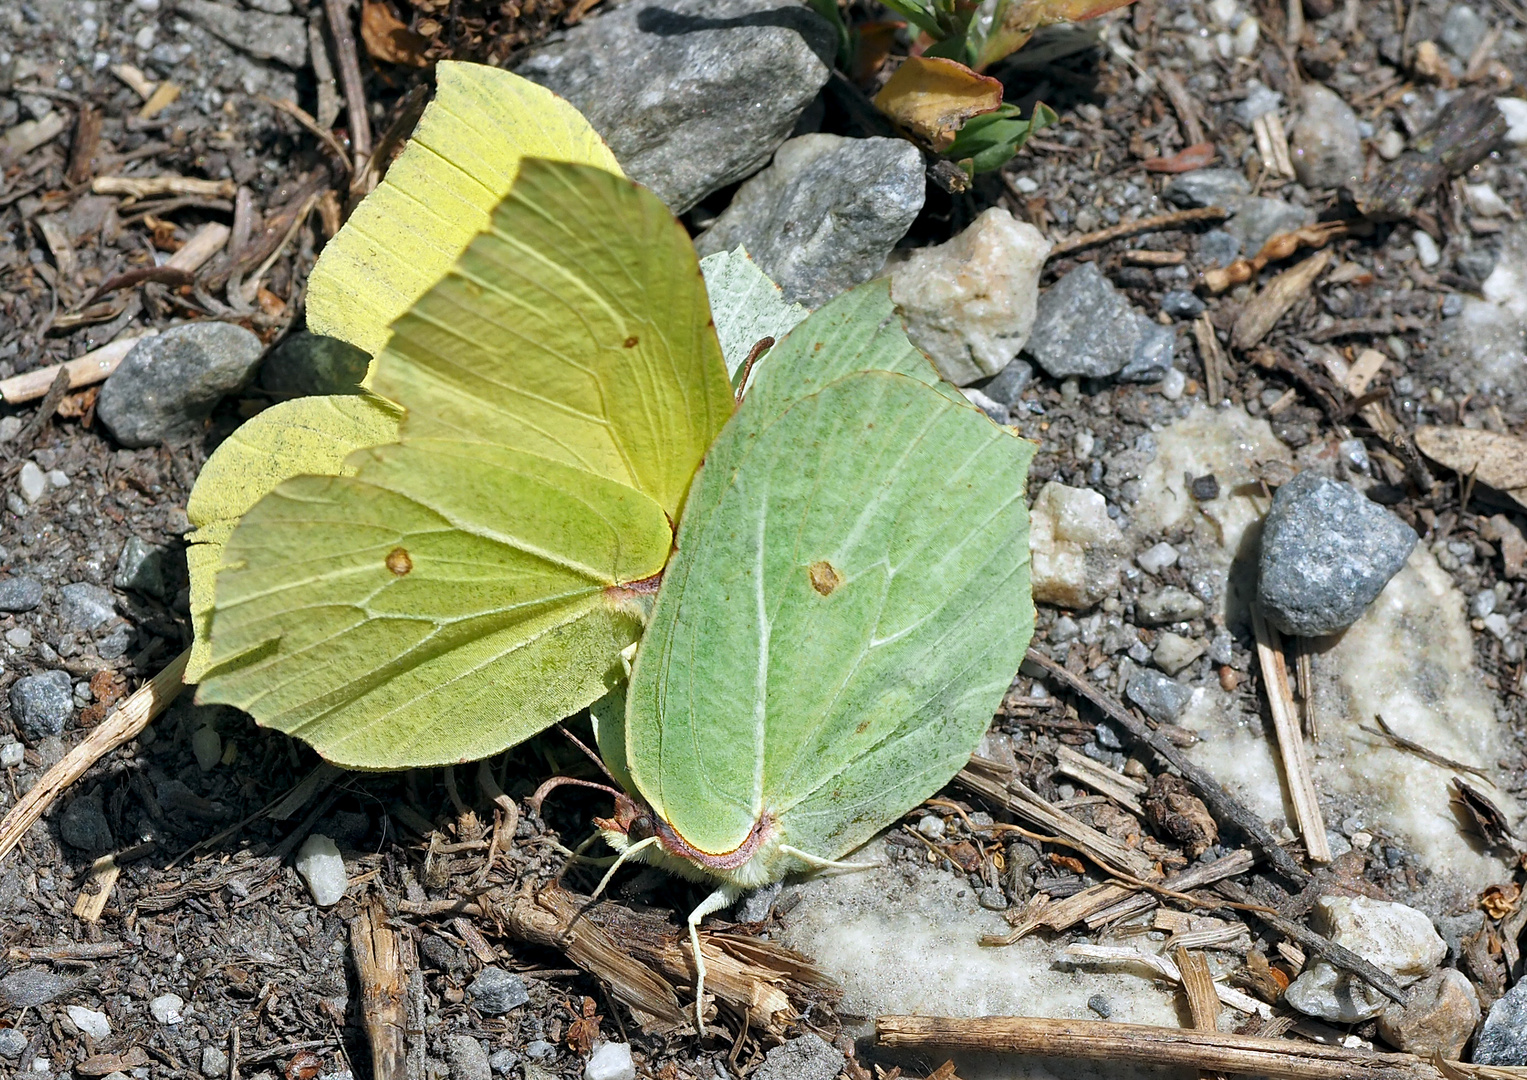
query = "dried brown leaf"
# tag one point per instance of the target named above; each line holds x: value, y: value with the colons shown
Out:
x: 931, y: 98
x: 388, y: 38
x: 1499, y: 461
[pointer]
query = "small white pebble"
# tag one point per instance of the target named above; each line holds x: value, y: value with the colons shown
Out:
x: 611, y: 1061
x: 1026, y: 184
x: 12, y: 754
x: 1484, y: 201
x: 1173, y: 383
x: 1362, y: 841
x: 32, y: 481
x: 207, y: 745
x: 144, y: 38
x: 10, y: 427
x: 932, y: 827
x: 1426, y: 249
x: 1157, y: 558
x: 1082, y: 445
x: 57, y: 478
x: 1225, y: 43
x: 168, y: 1008
x: 92, y: 1023
x: 1498, y: 625
x: 319, y: 863
x: 1390, y: 144
x: 19, y: 637
x: 1246, y: 36
x: 1224, y: 11
x: 1515, y: 112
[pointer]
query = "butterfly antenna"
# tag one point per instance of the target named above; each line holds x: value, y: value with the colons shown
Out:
x: 816, y: 862
x: 534, y: 802
x: 761, y: 346
x: 595, y: 758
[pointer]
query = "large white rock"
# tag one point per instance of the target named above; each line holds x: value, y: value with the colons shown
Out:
x: 610, y: 1061
x: 1074, y: 547
x: 969, y: 303
x: 1397, y: 938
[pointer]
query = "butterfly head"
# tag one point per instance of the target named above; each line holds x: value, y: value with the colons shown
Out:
x: 756, y: 861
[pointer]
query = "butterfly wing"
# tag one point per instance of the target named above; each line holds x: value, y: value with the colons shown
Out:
x: 848, y: 604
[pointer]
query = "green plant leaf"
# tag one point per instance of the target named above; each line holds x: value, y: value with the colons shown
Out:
x: 848, y: 605
x: 920, y: 15
x: 988, y: 142
x: 746, y: 305
x: 311, y: 436
x: 462, y: 159
x: 1002, y: 27
x: 468, y: 586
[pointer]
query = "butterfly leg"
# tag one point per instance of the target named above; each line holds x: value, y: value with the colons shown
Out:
x: 628, y: 657
x: 629, y: 853
x: 816, y: 862
x: 724, y: 897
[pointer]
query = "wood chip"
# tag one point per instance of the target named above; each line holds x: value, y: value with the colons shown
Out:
x: 1272, y: 145
x: 136, y: 81
x: 378, y: 961
x: 1263, y: 312
x: 87, y: 370
x: 1212, y: 358
x: 28, y: 136
x: 1296, y: 765
x: 143, y: 187
x: 1236, y: 999
x: 1499, y: 461
x: 1100, y: 778
x: 164, y: 95
x: 96, y: 891
x: 1199, y: 988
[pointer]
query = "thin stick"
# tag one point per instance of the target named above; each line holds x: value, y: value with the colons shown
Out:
x: 145, y: 703
x: 1209, y: 353
x: 1420, y: 751
x: 1296, y: 765
x: 1159, y: 223
x: 1237, y: 862
x: 301, y: 115
x: 1141, y: 1044
x: 1182, y: 105
x: 1224, y: 806
x: 1117, y: 954
x: 143, y: 187
x: 1334, y: 954
x: 1198, y: 985
x: 338, y: 13
x: 379, y: 965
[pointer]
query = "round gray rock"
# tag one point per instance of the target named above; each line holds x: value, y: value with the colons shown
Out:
x: 12, y: 1043
x: 86, y: 606
x: 469, y: 1061
x: 83, y: 825
x: 496, y: 991
x: 809, y: 1057
x: 41, y: 703
x: 305, y: 365
x: 170, y: 383
x: 20, y: 594
x: 691, y: 95
x: 1327, y: 552
x: 824, y: 216
x: 1502, y: 1039
x: 1084, y: 326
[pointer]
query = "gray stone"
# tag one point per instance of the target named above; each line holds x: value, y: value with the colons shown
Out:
x: 283, y: 38
x: 823, y: 217
x: 1167, y: 605
x: 496, y: 991
x: 1086, y: 327
x: 1257, y: 218
x: 143, y: 567
x: 610, y: 1061
x: 170, y: 383
x: 1326, y: 143
x: 1007, y: 386
x: 20, y: 594
x: 809, y: 1057
x: 1327, y: 552
x: 30, y: 988
x: 116, y: 643
x: 83, y: 825
x: 691, y: 95
x: 1218, y: 248
x: 1164, y: 700
x: 1463, y: 30
x: 540, y: 1050
x: 1439, y: 1017
x: 1259, y: 100
x: 503, y: 1061
x: 1181, y: 304
x: 1207, y: 187
x: 214, y: 1063
x: 12, y: 1043
x: 91, y: 1022
x: 1502, y: 1038
x: 1173, y: 652
x: 756, y: 905
x: 469, y: 1061
x: 307, y: 365
x: 86, y: 606
x: 41, y: 703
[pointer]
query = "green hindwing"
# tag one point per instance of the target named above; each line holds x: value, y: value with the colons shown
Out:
x: 848, y: 603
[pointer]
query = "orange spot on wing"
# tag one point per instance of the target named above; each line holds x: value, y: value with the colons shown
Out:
x: 399, y: 562
x: 824, y: 577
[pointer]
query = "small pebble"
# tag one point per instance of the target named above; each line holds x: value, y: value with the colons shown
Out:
x: 496, y: 991
x: 1173, y: 384
x: 92, y: 1023
x: 40, y: 704
x: 32, y: 481
x: 10, y: 427
x: 207, y: 745
x: 168, y: 1008
x: 1426, y: 250
x: 214, y: 1063
x: 322, y: 868
x: 1182, y: 304
x: 1156, y: 558
x: 12, y: 1043
x: 19, y: 594
x: 12, y: 754
x: 1100, y: 1004
x: 503, y: 1062
x: 1205, y: 488
x: 469, y: 1061
x: 540, y: 1050
x: 932, y: 827
x: 19, y: 638
x: 57, y: 479
x: 612, y: 1061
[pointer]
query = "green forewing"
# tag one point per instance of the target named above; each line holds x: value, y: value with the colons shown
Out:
x: 445, y: 602
x: 848, y: 604
x: 460, y: 161
x: 576, y: 328
x: 306, y: 436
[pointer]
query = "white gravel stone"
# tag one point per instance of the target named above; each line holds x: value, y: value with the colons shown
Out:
x: 1515, y: 112
x: 1074, y: 547
x: 12, y: 754
x: 612, y: 1061
x: 57, y: 479
x: 207, y: 745
x: 970, y: 303
x: 1426, y: 250
x: 33, y: 482
x: 1157, y: 558
x: 1173, y: 383
x: 92, y: 1023
x: 319, y: 863
x: 1397, y: 938
x: 1482, y: 199
x: 168, y: 1008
